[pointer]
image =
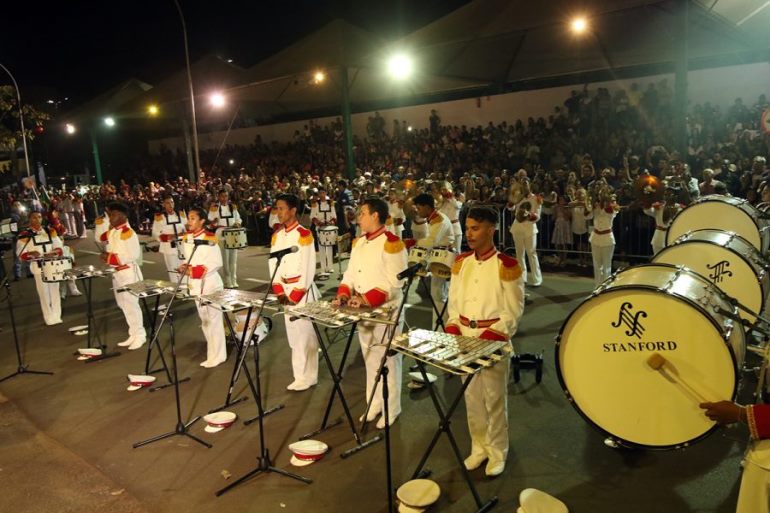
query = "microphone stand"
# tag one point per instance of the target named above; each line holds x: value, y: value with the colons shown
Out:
x: 181, y: 428
x: 264, y: 464
x: 21, y: 368
x: 382, y: 377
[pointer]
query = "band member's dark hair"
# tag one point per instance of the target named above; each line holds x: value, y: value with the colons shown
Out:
x: 425, y: 200
x: 290, y: 199
x: 120, y: 207
x: 483, y: 213
x: 378, y: 205
x: 222, y: 191
x: 198, y: 210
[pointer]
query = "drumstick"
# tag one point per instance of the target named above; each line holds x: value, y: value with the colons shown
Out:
x: 657, y: 362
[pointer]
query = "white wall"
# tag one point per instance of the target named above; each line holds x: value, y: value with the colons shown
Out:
x: 720, y: 86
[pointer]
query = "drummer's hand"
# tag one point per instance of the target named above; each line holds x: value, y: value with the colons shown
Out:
x: 103, y: 256
x: 338, y: 302
x: 34, y: 254
x: 355, y: 302
x: 724, y: 412
x: 284, y: 299
x: 51, y: 254
x: 182, y: 269
x: 236, y: 225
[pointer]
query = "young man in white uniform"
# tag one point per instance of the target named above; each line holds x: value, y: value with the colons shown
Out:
x: 602, y: 239
x: 224, y: 214
x: 323, y: 214
x: 168, y: 228
x: 450, y: 206
x: 524, y: 231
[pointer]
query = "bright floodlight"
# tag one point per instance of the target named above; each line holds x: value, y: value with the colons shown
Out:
x: 217, y: 100
x: 319, y: 77
x: 400, y: 66
x: 109, y: 121
x: 70, y: 128
x: 579, y: 25
x: 232, y: 162
x: 153, y: 110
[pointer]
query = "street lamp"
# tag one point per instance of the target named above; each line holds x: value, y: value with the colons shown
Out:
x: 318, y: 77
x: 21, y: 119
x: 400, y: 66
x: 579, y: 25
x: 153, y: 110
x: 109, y: 121
x: 196, y: 152
x: 70, y: 128
x: 217, y: 100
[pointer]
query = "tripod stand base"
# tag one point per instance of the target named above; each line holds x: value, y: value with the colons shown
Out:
x: 227, y: 404
x: 171, y: 384
x: 264, y: 414
x: 360, y: 447
x: 263, y: 465
x: 24, y: 369
x: 181, y: 429
x: 320, y: 430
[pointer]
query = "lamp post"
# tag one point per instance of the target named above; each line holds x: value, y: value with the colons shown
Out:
x: 21, y: 119
x: 196, y: 154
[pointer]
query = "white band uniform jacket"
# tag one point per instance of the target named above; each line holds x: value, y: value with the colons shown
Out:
x: 167, y: 228
x: 123, y: 254
x: 602, y: 235
x: 226, y: 216
x: 323, y: 212
x: 529, y: 225
x: 203, y: 275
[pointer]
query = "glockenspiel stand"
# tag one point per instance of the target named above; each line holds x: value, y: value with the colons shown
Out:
x: 89, y: 285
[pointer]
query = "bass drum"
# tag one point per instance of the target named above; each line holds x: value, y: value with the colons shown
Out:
x: 726, y: 214
x: 604, y: 348
x: 728, y: 261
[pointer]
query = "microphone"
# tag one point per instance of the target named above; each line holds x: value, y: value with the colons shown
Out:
x: 204, y: 242
x: 410, y: 271
x: 283, y: 252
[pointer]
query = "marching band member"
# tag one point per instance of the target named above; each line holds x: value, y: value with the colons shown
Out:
x: 370, y: 280
x: 754, y: 494
x: 322, y: 214
x: 439, y: 235
x: 38, y: 243
x: 450, y: 206
x: 168, y: 227
x: 294, y: 285
x: 396, y: 217
x: 663, y: 212
x: 101, y: 225
x: 602, y: 239
x: 224, y: 214
x: 202, y: 271
x: 122, y: 252
x: 524, y: 232
x: 486, y: 300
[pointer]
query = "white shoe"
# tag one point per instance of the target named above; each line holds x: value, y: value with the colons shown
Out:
x: 204, y: 363
x: 207, y: 364
x: 126, y: 342
x: 370, y: 416
x: 381, y: 422
x: 494, y: 468
x: 137, y: 344
x: 474, y: 461
x: 75, y: 293
x: 53, y: 323
x: 299, y: 386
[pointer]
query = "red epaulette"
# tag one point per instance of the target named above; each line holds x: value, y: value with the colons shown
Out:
x: 303, y: 232
x: 508, y: 261
x: 392, y: 237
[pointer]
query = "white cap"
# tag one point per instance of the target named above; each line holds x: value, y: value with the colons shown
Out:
x: 536, y: 501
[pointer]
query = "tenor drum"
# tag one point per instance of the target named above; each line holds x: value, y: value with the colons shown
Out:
x: 722, y: 213
x: 327, y: 235
x: 52, y: 269
x: 728, y: 261
x: 418, y: 254
x: 234, y: 238
x: 440, y: 262
x: 604, y: 347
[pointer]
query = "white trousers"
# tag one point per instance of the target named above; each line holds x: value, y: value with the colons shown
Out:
x: 326, y: 256
x: 50, y: 300
x: 486, y: 401
x: 754, y: 495
x: 229, y: 265
x: 458, y: 233
x: 66, y: 285
x: 602, y: 256
x: 304, y: 350
x: 128, y: 302
x: 212, y: 324
x: 526, y: 245
x: 439, y: 291
x: 172, y: 264
x: 373, y: 339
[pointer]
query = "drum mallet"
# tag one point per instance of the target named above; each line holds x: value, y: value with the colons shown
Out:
x: 657, y: 362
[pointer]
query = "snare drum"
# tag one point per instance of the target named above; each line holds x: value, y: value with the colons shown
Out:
x: 418, y: 254
x: 440, y: 262
x: 234, y: 238
x: 728, y: 261
x: 722, y: 213
x: 603, y: 348
x: 52, y: 269
x: 327, y: 235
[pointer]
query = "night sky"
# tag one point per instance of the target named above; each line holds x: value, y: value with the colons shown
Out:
x: 80, y: 49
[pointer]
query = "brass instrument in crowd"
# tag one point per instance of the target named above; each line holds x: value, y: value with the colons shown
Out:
x: 649, y: 189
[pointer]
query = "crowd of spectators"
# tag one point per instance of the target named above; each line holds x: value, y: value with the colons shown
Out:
x: 596, y: 138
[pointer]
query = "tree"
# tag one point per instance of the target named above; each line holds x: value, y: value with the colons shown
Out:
x: 10, y: 128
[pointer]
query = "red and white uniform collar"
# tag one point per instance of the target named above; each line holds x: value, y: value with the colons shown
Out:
x: 376, y: 233
x: 486, y: 255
